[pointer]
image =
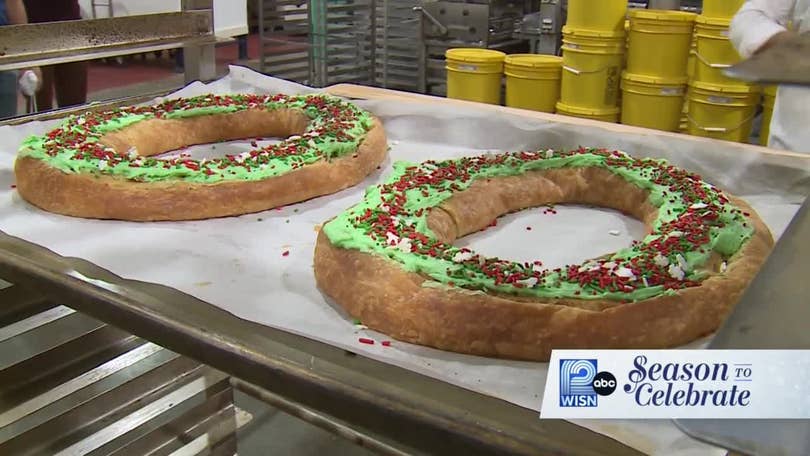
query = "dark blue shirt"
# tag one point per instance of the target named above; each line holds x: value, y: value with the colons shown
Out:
x: 3, y: 17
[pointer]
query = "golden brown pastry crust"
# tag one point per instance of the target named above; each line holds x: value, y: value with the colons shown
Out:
x: 109, y: 197
x: 393, y: 301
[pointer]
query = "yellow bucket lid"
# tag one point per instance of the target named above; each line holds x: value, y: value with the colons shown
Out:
x: 662, y: 15
x: 533, y: 60
x: 724, y: 88
x: 645, y: 79
x: 586, y: 111
x: 573, y: 31
x: 771, y: 90
x: 475, y: 55
x: 713, y: 21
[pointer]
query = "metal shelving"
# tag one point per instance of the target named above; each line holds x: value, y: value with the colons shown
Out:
x: 317, y: 42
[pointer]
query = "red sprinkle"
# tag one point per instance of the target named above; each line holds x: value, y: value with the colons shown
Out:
x: 366, y: 340
x: 286, y: 253
x: 386, y: 343
x: 13, y: 186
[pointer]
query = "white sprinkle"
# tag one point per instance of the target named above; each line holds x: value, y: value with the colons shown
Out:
x: 404, y: 245
x: 723, y: 266
x: 102, y: 164
x: 482, y: 261
x: 661, y: 260
x: 589, y: 266
x: 394, y: 220
x: 614, y: 232
x: 391, y: 238
x: 132, y: 152
x: 462, y: 256
x: 625, y: 272
x: 676, y: 234
x: 538, y: 268
x: 549, y: 153
x: 311, y: 143
x: 698, y: 206
x: 384, y: 208
x: 263, y: 166
x: 609, y: 265
x: 682, y: 262
x: 394, y: 143
x: 644, y: 281
x: 408, y: 222
x: 676, y: 273
x: 294, y: 138
x: 528, y: 283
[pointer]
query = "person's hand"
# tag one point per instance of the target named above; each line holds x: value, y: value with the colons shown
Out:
x: 779, y: 38
x: 30, y: 81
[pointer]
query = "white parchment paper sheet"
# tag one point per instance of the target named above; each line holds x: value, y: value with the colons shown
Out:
x: 239, y: 264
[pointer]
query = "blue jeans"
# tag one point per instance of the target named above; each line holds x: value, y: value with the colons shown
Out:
x: 8, y: 94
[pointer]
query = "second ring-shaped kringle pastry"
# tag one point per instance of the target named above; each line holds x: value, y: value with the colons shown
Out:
x: 103, y: 165
x: 390, y: 260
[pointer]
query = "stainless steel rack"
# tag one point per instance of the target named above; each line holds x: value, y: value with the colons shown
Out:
x: 399, y: 60
x: 318, y: 42
x: 71, y: 41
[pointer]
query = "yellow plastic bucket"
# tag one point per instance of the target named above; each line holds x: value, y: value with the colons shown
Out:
x: 768, y: 102
x: 592, y: 66
x: 659, y: 42
x: 604, y: 115
x: 714, y: 51
x: 722, y: 112
x: 601, y: 15
x: 474, y: 74
x: 533, y: 81
x: 721, y: 8
x: 652, y: 102
x: 691, y: 62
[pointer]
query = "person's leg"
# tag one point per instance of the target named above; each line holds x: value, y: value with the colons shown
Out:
x: 8, y: 94
x: 45, y: 94
x: 70, y: 81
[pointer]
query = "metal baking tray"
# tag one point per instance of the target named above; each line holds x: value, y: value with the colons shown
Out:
x: 29, y: 45
x: 416, y: 412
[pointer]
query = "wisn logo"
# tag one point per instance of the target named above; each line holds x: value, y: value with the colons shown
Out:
x: 581, y: 383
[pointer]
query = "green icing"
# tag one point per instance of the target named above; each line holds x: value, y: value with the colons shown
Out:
x: 694, y: 220
x: 336, y: 129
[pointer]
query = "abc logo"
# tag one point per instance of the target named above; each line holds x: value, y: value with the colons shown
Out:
x: 604, y: 383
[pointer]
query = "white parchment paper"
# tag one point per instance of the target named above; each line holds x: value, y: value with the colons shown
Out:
x: 259, y: 266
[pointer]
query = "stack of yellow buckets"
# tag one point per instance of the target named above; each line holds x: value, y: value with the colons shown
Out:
x: 593, y: 56
x: 719, y: 107
x: 655, y: 81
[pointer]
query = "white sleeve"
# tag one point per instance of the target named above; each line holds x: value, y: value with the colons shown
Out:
x: 757, y: 21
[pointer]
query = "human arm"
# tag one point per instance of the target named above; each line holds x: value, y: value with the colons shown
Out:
x: 15, y: 10
x: 759, y: 24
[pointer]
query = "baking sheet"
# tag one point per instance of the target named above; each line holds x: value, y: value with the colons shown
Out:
x: 259, y: 266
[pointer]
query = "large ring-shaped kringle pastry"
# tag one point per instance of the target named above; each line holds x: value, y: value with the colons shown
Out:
x: 102, y: 164
x: 390, y: 260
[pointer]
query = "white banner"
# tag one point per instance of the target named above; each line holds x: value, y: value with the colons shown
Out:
x: 725, y: 384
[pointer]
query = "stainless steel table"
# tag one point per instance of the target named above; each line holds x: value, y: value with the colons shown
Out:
x: 408, y: 410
